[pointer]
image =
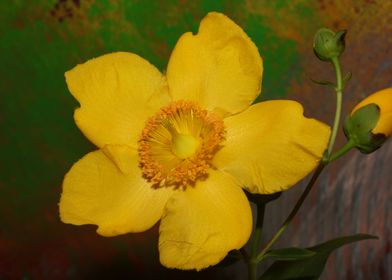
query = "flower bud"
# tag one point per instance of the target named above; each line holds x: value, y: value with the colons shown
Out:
x: 370, y: 123
x: 328, y: 44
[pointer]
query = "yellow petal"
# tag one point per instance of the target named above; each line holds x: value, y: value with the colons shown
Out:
x: 96, y: 192
x: 219, y: 67
x: 122, y: 156
x: 203, y: 223
x: 271, y: 146
x: 383, y: 99
x: 117, y: 93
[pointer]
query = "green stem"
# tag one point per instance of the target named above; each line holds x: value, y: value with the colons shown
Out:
x: 252, y: 269
x: 344, y: 150
x: 259, y: 228
x: 252, y: 260
x: 293, y: 212
x: 244, y: 254
x: 339, y: 93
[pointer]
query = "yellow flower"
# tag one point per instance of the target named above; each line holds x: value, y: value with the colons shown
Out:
x: 383, y: 99
x: 179, y: 147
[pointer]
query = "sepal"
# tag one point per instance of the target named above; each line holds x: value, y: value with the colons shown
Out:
x: 358, y: 129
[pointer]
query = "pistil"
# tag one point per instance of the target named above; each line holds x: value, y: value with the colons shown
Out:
x: 184, y: 146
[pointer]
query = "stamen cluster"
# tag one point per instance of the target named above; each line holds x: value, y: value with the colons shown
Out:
x: 158, y: 162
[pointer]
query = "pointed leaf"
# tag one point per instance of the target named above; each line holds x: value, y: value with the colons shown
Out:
x: 323, y: 83
x: 288, y: 254
x: 311, y: 267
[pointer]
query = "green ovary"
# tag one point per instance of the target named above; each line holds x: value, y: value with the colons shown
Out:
x: 184, y: 146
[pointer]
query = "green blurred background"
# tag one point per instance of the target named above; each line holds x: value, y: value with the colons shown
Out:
x: 40, y: 40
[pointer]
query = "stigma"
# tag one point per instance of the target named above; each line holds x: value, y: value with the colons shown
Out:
x: 178, y: 143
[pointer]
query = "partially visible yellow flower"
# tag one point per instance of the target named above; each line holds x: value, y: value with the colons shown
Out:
x: 383, y: 99
x: 180, y: 147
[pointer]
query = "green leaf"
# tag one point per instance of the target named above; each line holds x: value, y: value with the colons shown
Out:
x: 311, y: 267
x: 323, y: 83
x: 288, y: 254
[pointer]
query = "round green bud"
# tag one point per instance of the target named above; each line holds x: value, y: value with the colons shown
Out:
x: 328, y: 44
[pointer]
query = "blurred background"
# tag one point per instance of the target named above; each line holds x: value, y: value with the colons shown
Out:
x: 40, y: 40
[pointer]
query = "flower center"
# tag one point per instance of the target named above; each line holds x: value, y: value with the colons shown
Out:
x: 184, y: 145
x: 178, y: 143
